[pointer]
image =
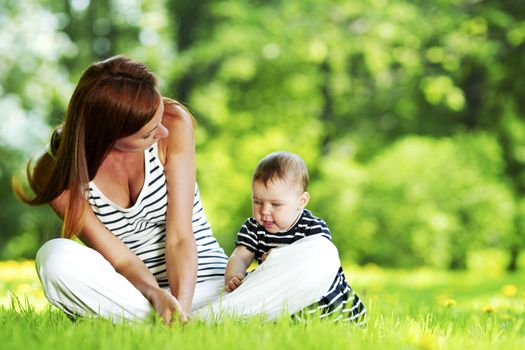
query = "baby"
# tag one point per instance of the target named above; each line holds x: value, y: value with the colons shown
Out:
x: 279, y: 198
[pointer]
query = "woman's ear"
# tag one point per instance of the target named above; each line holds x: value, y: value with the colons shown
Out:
x: 304, y: 199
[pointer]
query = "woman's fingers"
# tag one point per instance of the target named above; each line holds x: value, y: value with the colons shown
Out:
x: 166, y: 316
x: 169, y: 308
x: 177, y: 308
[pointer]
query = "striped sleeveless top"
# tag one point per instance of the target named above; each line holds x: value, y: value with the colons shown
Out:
x: 142, y: 227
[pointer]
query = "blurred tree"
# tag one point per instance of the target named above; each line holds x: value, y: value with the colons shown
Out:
x: 310, y: 75
x: 47, y: 45
x: 423, y: 201
x: 23, y: 229
x: 503, y: 110
x: 191, y: 22
x: 338, y: 82
x: 32, y: 88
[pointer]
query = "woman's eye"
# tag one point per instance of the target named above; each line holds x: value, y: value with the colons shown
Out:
x: 146, y: 136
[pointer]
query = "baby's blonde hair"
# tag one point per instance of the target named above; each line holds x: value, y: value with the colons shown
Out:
x: 282, y: 166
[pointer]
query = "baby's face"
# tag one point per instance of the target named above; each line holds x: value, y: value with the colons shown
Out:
x: 277, y: 205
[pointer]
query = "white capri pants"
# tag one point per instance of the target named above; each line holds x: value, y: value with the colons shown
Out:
x: 79, y: 281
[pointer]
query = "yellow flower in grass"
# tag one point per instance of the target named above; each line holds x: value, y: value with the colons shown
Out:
x: 445, y: 300
x: 509, y: 290
x: 449, y: 302
x: 372, y: 267
x: 427, y: 342
x: 489, y: 309
x: 506, y: 317
x: 421, y: 337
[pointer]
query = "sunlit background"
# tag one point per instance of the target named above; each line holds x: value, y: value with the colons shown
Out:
x: 409, y: 114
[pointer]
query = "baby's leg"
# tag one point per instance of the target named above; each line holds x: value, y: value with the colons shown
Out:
x: 80, y: 282
x: 291, y: 278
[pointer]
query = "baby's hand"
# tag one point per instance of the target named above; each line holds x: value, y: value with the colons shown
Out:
x: 265, y: 255
x: 233, y: 283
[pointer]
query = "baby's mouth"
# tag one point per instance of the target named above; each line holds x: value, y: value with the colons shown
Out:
x: 267, y: 223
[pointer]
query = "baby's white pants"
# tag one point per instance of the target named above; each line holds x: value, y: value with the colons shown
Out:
x: 78, y: 280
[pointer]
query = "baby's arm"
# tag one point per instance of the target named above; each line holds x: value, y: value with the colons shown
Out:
x: 239, y: 261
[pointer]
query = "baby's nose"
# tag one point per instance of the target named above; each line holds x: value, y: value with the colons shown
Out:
x: 265, y: 209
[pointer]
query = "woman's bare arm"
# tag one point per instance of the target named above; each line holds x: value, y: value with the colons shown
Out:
x: 96, y: 235
x: 178, y: 151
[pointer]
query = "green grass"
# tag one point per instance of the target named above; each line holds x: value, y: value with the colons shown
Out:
x: 409, y: 309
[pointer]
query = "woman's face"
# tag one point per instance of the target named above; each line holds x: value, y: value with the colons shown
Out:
x: 145, y: 137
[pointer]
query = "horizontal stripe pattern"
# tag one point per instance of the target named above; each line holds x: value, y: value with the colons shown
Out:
x: 142, y: 227
x: 259, y: 241
x: 340, y: 303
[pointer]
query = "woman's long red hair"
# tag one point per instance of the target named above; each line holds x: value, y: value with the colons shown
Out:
x: 113, y: 99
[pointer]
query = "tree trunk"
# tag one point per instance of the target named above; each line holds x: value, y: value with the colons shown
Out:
x: 514, y: 255
x: 458, y: 261
x: 191, y: 21
x: 327, y: 113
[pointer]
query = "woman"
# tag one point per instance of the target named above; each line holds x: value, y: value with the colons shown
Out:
x: 121, y: 174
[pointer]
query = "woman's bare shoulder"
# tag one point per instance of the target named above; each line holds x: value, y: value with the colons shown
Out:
x: 176, y: 114
x: 181, y: 126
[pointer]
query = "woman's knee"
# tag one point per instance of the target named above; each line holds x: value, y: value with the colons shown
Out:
x: 319, y: 252
x: 323, y: 245
x: 310, y: 261
x: 55, y: 257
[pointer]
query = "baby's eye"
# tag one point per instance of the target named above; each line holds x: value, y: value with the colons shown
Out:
x: 257, y: 202
x: 276, y: 204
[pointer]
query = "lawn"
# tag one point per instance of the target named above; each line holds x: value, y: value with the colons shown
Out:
x: 482, y: 308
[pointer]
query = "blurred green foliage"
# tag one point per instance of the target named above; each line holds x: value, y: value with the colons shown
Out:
x: 431, y: 199
x: 407, y: 113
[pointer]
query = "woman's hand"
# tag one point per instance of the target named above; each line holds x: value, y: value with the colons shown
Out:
x: 233, y: 283
x: 177, y: 154
x: 168, y: 307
